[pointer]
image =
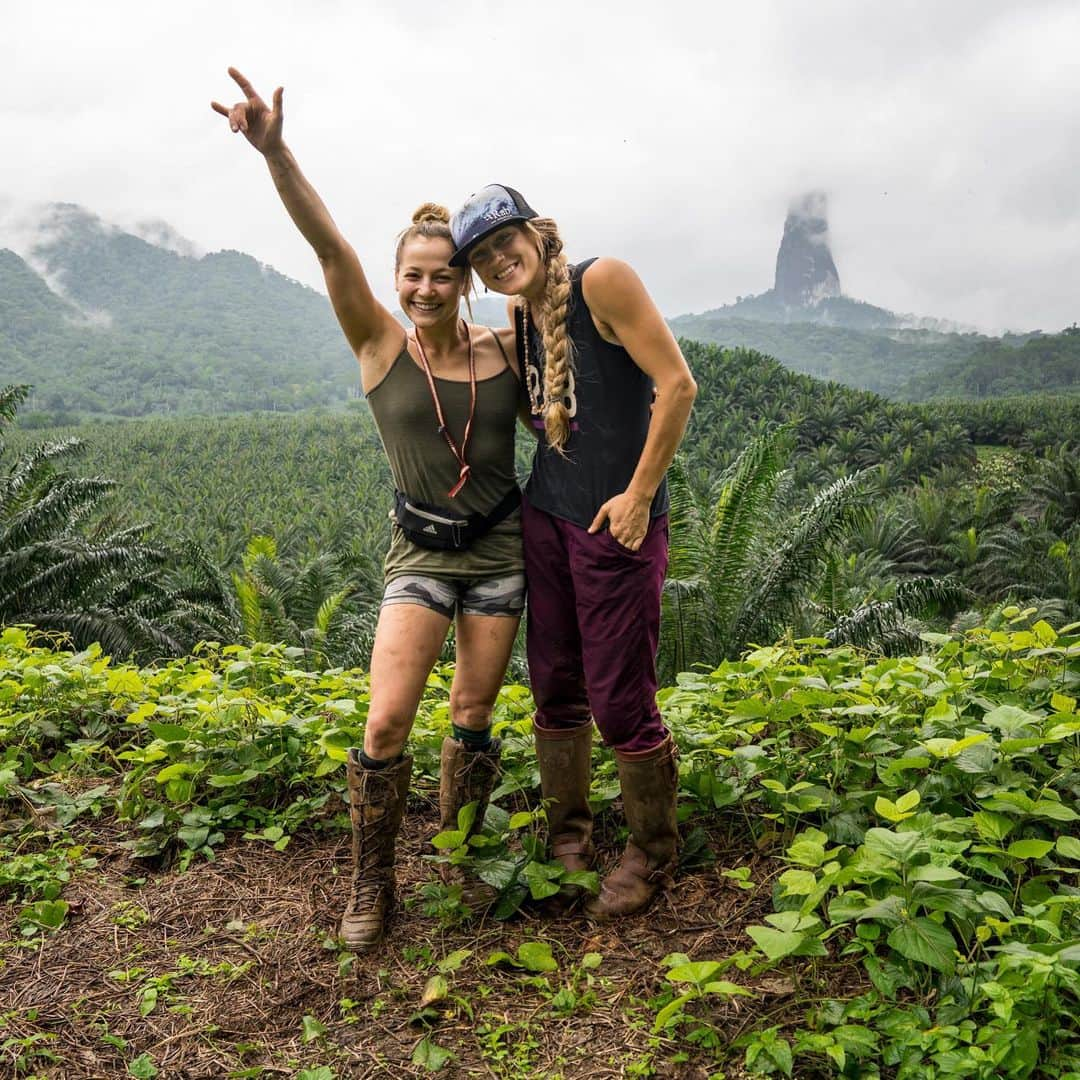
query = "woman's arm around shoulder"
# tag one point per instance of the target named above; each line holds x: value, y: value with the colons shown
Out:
x: 372, y: 332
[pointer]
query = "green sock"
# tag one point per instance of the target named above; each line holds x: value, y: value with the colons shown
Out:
x: 376, y: 763
x: 472, y: 740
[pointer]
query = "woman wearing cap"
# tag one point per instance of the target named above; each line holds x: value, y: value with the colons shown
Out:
x: 592, y: 346
x: 445, y: 400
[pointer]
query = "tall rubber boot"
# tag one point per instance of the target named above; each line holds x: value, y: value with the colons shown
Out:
x: 466, y: 776
x: 565, y: 759
x: 376, y: 805
x: 649, y: 780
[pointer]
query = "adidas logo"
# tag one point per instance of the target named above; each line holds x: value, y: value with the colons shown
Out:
x: 430, y: 529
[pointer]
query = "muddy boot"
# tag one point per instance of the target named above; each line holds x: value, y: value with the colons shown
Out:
x: 466, y: 776
x: 376, y: 806
x: 649, y: 780
x: 565, y: 759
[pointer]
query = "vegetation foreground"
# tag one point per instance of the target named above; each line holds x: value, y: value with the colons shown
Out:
x: 878, y: 879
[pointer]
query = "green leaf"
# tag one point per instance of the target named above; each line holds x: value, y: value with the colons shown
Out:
x: 671, y: 1011
x: 797, y: 882
x: 697, y: 972
x: 174, y: 772
x: 1029, y: 849
x: 498, y: 873
x: 221, y: 780
x: 536, y: 956
x: 194, y: 837
x: 142, y: 1068
x: 775, y: 944
x: 1068, y: 847
x: 992, y: 826
x: 540, y: 889
x: 169, y: 732
x: 1055, y: 811
x: 429, y: 1055
x: 726, y: 989
x: 589, y: 880
x: 454, y: 960
x: 925, y: 942
x: 466, y: 817
x: 935, y: 873
x: 520, y: 819
x: 1009, y: 719
x: 807, y: 853
x: 48, y: 914
x: 124, y: 681
x: 436, y: 989
x: 887, y: 809
x: 901, y: 846
x: 311, y: 1029
x: 909, y: 801
x: 451, y: 838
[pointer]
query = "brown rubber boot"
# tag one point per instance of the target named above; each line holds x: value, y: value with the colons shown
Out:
x: 649, y: 780
x: 565, y: 759
x: 466, y: 776
x: 376, y: 806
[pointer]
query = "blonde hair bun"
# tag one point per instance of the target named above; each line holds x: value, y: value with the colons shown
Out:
x: 431, y: 212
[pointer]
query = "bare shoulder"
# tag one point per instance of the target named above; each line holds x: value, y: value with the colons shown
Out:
x: 378, y: 354
x: 508, y: 340
x: 606, y: 273
x: 615, y: 295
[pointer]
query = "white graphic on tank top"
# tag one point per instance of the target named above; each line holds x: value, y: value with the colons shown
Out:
x: 536, y: 392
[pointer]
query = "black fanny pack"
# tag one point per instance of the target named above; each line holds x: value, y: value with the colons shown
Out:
x: 440, y: 529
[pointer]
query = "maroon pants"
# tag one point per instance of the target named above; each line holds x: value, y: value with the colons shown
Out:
x: 593, y: 627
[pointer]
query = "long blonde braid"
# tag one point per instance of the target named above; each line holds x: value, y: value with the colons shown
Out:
x: 552, y: 319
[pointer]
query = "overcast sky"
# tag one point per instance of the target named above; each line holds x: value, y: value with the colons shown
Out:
x: 671, y: 134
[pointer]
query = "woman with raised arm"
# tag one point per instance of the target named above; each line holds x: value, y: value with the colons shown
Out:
x: 592, y: 347
x: 445, y: 399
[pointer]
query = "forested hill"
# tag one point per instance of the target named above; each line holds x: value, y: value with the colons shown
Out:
x: 884, y: 361
x: 127, y: 327
x: 144, y: 330
x: 1048, y: 363
x: 908, y: 365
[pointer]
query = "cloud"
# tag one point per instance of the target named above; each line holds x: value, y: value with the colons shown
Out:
x: 671, y: 135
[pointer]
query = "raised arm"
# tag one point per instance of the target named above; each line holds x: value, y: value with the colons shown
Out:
x: 366, y: 323
x: 628, y: 317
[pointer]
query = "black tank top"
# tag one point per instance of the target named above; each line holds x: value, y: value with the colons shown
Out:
x: 609, y: 399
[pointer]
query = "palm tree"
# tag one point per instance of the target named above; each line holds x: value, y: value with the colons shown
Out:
x: 315, y: 605
x: 741, y: 570
x: 64, y: 567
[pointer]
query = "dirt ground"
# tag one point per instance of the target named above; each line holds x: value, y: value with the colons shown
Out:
x: 250, y: 982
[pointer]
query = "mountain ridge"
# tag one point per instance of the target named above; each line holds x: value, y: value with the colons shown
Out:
x: 106, y: 322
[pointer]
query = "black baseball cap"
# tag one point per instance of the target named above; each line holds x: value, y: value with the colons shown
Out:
x: 489, y: 209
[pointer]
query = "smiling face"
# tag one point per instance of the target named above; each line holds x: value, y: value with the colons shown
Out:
x: 429, y: 288
x: 508, y: 262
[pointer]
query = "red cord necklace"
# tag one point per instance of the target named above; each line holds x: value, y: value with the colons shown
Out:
x: 444, y: 431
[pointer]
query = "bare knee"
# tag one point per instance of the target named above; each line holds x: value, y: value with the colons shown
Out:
x: 386, y: 733
x: 469, y: 713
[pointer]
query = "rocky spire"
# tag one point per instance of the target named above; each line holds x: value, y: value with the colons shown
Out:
x: 805, y: 271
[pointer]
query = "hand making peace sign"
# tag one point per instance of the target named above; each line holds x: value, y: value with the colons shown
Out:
x: 261, y: 126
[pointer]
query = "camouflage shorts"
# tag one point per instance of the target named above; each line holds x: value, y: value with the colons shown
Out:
x: 469, y: 596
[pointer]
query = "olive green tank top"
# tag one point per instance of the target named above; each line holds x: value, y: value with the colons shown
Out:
x: 424, y: 468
